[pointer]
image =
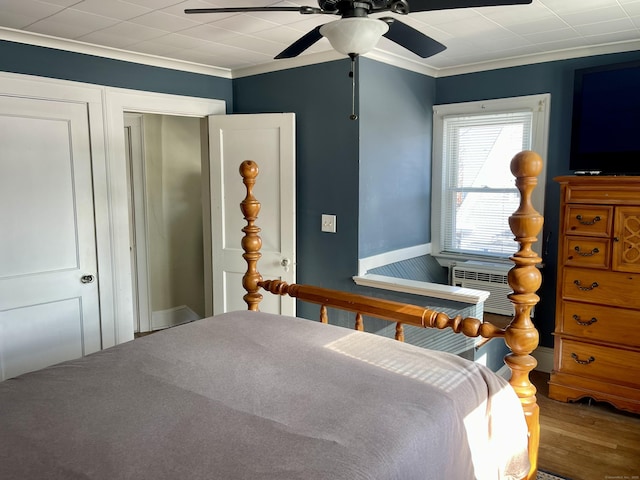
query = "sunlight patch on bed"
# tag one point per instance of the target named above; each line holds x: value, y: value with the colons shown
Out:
x: 418, y: 364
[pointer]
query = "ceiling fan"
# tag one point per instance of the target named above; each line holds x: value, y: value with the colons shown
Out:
x: 355, y: 33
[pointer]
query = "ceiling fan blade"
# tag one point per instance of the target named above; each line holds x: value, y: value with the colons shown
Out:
x: 300, y: 45
x: 412, y: 39
x: 303, y: 10
x: 428, y: 5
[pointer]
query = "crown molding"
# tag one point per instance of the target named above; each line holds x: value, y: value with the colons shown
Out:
x: 617, y: 47
x: 404, y: 63
x: 287, y: 63
x: 20, y: 36
x: 416, y: 65
x: 331, y: 55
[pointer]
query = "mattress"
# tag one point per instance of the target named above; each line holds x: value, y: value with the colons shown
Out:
x: 249, y: 395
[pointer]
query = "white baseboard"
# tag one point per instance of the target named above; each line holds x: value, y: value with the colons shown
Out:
x: 544, y: 356
x: 172, y: 317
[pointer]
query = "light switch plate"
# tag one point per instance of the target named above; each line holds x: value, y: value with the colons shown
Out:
x: 328, y: 223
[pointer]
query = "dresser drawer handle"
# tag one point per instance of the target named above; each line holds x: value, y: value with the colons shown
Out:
x: 578, y: 284
x: 586, y: 254
x: 582, y: 362
x: 585, y: 222
x: 583, y: 323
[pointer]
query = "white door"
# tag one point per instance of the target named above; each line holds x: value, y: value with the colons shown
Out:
x: 49, y: 309
x: 269, y: 140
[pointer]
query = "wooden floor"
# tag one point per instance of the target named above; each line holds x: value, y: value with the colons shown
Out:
x: 586, y: 441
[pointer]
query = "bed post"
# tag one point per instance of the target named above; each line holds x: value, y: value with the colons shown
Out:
x: 525, y: 279
x: 251, y: 242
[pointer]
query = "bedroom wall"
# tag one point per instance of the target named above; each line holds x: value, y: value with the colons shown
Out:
x: 53, y: 63
x: 327, y: 154
x: 351, y: 168
x: 395, y: 158
x: 330, y: 145
x: 555, y: 78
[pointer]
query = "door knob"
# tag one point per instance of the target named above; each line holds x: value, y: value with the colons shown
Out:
x: 87, y: 278
x: 285, y: 264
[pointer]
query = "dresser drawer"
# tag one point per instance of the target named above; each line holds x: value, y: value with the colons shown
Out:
x: 588, y: 220
x: 586, y: 252
x: 595, y: 361
x: 617, y: 289
x: 626, y: 245
x: 597, y: 322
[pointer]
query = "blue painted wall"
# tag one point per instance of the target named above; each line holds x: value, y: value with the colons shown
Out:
x: 395, y: 158
x: 326, y: 164
x: 555, y: 78
x: 78, y: 67
x: 373, y: 173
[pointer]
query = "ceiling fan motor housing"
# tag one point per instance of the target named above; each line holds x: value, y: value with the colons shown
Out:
x: 357, y: 8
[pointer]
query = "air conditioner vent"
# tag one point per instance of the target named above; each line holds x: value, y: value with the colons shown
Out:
x: 490, y: 277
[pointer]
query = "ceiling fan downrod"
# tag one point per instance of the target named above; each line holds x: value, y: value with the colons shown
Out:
x: 352, y: 74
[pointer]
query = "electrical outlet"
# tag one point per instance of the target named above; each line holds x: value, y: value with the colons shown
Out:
x: 328, y: 223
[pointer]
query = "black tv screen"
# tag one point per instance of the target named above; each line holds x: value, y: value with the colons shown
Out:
x: 605, y: 135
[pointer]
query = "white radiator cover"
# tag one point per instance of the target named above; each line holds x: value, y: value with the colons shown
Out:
x: 490, y: 277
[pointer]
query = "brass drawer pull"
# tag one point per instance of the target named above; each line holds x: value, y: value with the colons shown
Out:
x: 583, y: 323
x: 586, y: 254
x: 585, y: 222
x: 582, y: 362
x: 578, y: 284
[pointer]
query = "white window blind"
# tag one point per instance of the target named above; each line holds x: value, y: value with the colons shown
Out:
x: 479, y: 191
x: 474, y: 192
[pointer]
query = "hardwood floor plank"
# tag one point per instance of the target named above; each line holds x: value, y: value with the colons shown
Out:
x: 586, y: 441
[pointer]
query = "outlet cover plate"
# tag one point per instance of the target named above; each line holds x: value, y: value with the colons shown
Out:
x: 328, y: 223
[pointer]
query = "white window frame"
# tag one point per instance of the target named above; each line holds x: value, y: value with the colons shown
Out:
x: 539, y: 105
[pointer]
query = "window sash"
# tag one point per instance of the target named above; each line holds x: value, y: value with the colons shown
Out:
x: 478, y: 189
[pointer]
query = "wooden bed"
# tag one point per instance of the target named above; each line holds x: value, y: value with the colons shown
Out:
x: 521, y: 335
x: 251, y: 395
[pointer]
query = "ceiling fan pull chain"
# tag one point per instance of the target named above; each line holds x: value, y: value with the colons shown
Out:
x: 352, y: 74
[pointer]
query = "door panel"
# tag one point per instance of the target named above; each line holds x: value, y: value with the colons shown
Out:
x: 24, y: 252
x: 29, y: 330
x: 47, y: 314
x: 269, y: 140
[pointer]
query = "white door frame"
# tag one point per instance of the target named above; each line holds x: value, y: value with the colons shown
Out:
x: 106, y: 107
x: 117, y: 102
x: 138, y: 221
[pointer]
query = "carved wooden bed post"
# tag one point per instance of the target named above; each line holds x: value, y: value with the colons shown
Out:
x: 525, y: 279
x: 251, y: 242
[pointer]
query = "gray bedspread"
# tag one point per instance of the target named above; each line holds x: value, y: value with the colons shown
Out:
x: 250, y: 395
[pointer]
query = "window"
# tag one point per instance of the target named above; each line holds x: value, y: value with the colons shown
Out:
x: 474, y: 191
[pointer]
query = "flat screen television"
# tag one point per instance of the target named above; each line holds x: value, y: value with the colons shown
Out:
x: 605, y: 135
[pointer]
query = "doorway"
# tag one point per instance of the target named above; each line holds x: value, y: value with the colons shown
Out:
x: 165, y: 180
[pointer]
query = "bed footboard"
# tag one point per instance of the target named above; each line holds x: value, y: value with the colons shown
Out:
x: 525, y: 279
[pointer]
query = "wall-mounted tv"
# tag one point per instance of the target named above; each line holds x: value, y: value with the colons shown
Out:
x: 605, y: 135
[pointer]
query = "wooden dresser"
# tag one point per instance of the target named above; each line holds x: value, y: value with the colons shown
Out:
x: 597, y: 333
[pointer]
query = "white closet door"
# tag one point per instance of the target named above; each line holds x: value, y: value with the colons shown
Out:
x: 49, y: 309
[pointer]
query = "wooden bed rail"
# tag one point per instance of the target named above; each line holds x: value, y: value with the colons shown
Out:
x: 524, y: 278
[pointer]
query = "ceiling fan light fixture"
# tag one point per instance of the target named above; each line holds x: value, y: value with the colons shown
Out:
x: 354, y: 35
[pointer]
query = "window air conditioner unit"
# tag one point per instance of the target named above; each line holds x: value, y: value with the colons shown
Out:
x: 490, y: 277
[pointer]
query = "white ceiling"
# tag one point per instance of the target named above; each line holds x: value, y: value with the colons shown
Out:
x: 476, y: 39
